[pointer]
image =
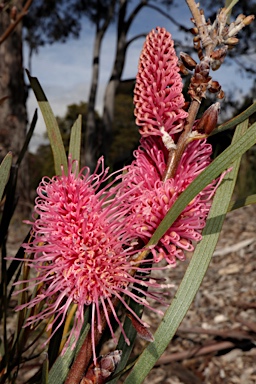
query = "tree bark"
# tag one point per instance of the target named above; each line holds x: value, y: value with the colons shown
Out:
x: 117, y: 70
x: 13, y: 115
x: 93, y: 138
x: 91, y: 134
x: 123, y: 27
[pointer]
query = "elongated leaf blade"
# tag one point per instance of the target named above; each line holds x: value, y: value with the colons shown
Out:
x: 45, y: 371
x: 122, y: 345
x: 193, y: 276
x: 52, y: 127
x: 242, y: 202
x: 75, y: 139
x: 235, y: 120
x: 28, y: 138
x: 5, y: 168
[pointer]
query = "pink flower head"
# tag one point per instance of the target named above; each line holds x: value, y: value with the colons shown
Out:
x: 82, y: 249
x: 154, y: 197
x: 158, y: 95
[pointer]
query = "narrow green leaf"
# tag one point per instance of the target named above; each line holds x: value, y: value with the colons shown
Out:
x: 5, y: 168
x: 45, y: 371
x: 60, y: 368
x: 126, y: 349
x: 75, y: 139
x: 55, y: 138
x: 221, y: 163
x: 84, y: 331
x: 28, y: 138
x: 193, y: 276
x: 242, y: 202
x: 229, y: 4
x: 235, y: 120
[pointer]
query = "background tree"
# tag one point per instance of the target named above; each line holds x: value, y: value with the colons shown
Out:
x: 13, y: 92
x: 51, y: 21
x: 125, y: 132
x: 104, y: 14
x: 57, y: 20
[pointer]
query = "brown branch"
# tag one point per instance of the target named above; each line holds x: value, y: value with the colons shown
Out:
x: 228, y: 333
x: 12, y: 26
x: 135, y: 38
x: 201, y: 25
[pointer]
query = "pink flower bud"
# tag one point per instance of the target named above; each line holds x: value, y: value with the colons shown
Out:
x: 158, y: 95
x: 208, y: 121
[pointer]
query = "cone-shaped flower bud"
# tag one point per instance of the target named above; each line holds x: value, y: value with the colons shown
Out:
x: 158, y: 95
x: 240, y: 18
x: 232, y: 41
x: 221, y: 94
x: 187, y: 60
x: 214, y: 86
x: 208, y: 121
x: 194, y: 31
x: 104, y: 366
x: 182, y: 68
x: 248, y: 20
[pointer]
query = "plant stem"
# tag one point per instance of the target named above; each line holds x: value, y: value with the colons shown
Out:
x: 175, y: 154
x: 201, y: 25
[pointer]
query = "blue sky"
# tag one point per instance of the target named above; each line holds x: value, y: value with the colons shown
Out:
x: 64, y: 70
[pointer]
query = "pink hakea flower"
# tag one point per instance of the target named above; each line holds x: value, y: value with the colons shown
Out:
x: 82, y: 250
x: 154, y: 197
x: 158, y: 95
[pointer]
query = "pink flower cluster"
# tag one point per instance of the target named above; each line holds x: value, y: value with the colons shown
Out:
x: 154, y: 197
x: 86, y: 237
x: 82, y: 249
x: 158, y: 95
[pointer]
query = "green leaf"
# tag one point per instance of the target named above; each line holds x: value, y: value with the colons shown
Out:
x: 28, y: 138
x: 45, y: 371
x: 55, y: 138
x: 126, y: 349
x: 193, y: 276
x: 60, y: 368
x: 229, y: 4
x: 242, y: 202
x: 235, y: 120
x: 5, y: 168
x: 75, y: 139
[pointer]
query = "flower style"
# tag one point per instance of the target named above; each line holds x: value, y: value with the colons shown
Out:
x: 82, y: 250
x: 158, y: 95
x: 154, y: 197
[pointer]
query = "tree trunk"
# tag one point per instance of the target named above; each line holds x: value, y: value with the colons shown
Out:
x: 13, y: 116
x: 115, y: 77
x: 91, y: 136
